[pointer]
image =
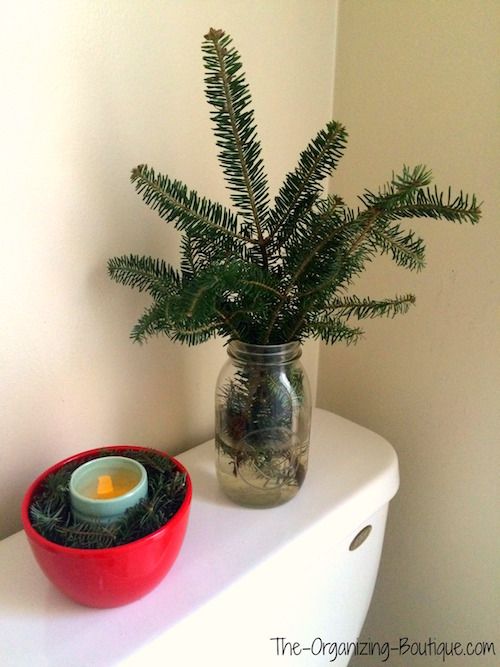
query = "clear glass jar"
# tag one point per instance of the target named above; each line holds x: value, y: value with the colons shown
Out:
x: 262, y: 423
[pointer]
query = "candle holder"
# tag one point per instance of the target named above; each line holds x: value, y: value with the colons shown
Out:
x: 104, y: 489
x: 110, y: 576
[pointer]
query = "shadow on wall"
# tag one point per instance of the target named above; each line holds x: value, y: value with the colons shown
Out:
x: 77, y: 381
x: 155, y: 394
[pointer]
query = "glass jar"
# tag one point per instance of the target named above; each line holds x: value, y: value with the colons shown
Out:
x: 262, y: 423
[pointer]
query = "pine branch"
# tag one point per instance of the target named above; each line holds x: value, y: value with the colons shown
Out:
x: 153, y: 322
x: 193, y: 334
x: 295, y: 327
x: 144, y: 273
x: 261, y: 286
x: 329, y: 276
x: 197, y: 300
x: 48, y: 517
x: 227, y: 325
x: 227, y: 91
x: 337, y: 273
x: 367, y: 308
x: 333, y: 331
x: 399, y: 189
x: 310, y: 255
x: 195, y: 256
x: 407, y: 197
x: 198, y: 297
x: 434, y: 204
x: 383, y: 206
x: 197, y: 216
x: 318, y: 161
x: 50, y: 511
x: 221, y: 297
x: 405, y: 249
x: 269, y: 276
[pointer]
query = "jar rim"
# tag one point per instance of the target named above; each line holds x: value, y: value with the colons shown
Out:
x: 284, y: 351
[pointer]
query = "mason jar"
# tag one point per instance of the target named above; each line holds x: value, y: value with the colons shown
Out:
x: 262, y: 423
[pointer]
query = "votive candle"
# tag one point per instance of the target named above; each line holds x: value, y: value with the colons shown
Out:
x: 103, y: 489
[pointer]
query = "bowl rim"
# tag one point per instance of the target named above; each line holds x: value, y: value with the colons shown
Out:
x: 42, y: 541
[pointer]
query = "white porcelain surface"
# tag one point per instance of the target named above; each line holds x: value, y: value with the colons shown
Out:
x: 243, y: 576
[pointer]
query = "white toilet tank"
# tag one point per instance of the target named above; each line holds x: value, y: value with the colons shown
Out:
x: 251, y: 588
x: 289, y: 585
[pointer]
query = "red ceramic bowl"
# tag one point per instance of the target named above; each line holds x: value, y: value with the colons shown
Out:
x: 117, y: 575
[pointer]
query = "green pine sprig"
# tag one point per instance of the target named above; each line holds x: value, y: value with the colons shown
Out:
x: 50, y: 509
x: 236, y: 133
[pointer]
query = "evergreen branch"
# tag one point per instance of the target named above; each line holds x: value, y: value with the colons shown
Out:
x: 188, y: 257
x: 299, y: 322
x: 383, y: 205
x: 399, y: 188
x: 195, y: 215
x: 240, y: 158
x: 48, y: 517
x: 333, y: 331
x: 144, y: 273
x: 222, y: 294
x: 309, y: 257
x: 337, y: 273
x: 85, y: 535
x: 406, y: 250
x: 153, y: 322
x: 407, y: 196
x: 297, y: 226
x: 367, y: 308
x: 318, y: 161
x: 198, y: 255
x: 226, y: 321
x: 367, y: 219
x: 325, y: 281
x: 236, y: 323
x: 433, y: 204
x: 51, y: 515
x: 196, y: 297
x: 269, y: 276
x: 329, y: 208
x: 261, y: 286
x: 194, y: 334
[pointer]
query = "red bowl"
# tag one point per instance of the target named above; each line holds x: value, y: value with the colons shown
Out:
x: 114, y: 576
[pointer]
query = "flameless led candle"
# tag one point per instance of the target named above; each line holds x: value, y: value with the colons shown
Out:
x: 103, y: 489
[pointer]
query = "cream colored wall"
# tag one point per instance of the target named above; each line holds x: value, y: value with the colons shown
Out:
x: 417, y: 82
x: 91, y: 89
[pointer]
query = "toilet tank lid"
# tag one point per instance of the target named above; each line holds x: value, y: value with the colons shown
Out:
x: 355, y: 464
x: 352, y: 473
